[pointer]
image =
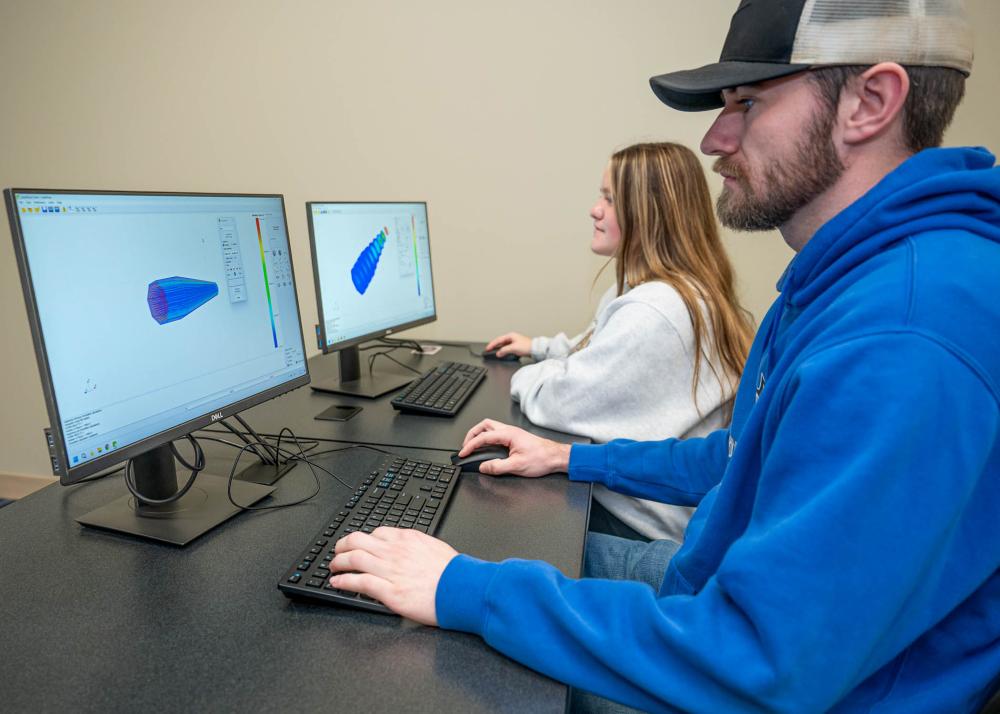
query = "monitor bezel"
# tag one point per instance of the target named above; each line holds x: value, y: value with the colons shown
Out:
x: 351, y: 342
x: 61, y: 467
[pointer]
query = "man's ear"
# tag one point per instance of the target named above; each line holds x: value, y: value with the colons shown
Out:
x: 872, y: 104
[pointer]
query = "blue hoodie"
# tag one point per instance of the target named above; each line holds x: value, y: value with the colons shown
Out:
x: 845, y: 551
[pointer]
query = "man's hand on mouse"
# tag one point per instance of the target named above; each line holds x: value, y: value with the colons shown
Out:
x: 512, y: 343
x: 396, y: 566
x: 529, y: 456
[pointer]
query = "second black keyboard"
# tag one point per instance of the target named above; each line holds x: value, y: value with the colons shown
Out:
x: 442, y: 391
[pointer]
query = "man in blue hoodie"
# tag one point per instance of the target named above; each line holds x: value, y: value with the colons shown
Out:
x: 844, y: 554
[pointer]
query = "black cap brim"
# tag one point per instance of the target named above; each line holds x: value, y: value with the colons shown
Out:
x: 697, y: 90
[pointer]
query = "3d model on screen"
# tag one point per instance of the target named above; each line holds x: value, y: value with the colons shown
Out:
x: 173, y: 298
x: 364, y: 267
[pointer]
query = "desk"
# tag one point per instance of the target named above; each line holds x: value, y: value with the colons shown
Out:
x: 93, y: 621
x: 379, y: 423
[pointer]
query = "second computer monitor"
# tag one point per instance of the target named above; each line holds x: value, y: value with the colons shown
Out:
x: 373, y: 278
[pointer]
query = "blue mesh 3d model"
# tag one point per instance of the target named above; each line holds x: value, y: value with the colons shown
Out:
x: 171, y: 299
x: 364, y: 267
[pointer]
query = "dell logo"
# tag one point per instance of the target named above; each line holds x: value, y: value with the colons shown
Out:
x: 217, y: 416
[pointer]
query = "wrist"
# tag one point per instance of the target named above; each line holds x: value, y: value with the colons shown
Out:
x: 559, y: 458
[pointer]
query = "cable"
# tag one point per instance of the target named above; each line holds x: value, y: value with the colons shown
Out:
x: 303, y: 459
x: 311, y: 443
x: 291, y: 456
x: 196, y: 468
x: 386, y: 354
x: 236, y: 461
x: 371, y: 360
x: 255, y: 435
x: 234, y: 445
x: 400, y: 343
x: 359, y: 446
x: 350, y: 442
x: 245, y: 440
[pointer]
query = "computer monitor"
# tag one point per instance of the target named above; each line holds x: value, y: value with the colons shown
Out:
x: 372, y: 264
x: 154, y: 315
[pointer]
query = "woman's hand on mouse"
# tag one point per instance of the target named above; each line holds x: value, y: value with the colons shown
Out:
x: 530, y: 455
x: 512, y: 343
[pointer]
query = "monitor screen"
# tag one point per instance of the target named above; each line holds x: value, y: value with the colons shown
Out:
x: 373, y: 269
x: 154, y: 314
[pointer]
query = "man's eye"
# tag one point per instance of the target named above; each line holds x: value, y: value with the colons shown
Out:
x: 746, y: 103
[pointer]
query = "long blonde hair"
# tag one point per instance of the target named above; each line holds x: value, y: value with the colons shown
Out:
x: 669, y: 233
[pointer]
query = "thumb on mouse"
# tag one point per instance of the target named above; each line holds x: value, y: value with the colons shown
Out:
x: 494, y: 467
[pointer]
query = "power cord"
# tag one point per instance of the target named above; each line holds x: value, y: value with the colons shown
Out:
x: 248, y: 445
x: 391, y: 345
x: 289, y: 457
x: 265, y: 459
x: 402, y: 343
x: 278, y: 451
x: 371, y: 361
x: 196, y: 468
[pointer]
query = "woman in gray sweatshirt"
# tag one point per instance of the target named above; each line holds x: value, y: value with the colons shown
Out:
x: 664, y: 353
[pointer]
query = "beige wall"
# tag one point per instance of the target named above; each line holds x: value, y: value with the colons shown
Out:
x: 500, y: 115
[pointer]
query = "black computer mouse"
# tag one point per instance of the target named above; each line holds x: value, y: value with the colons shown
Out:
x: 472, y: 461
x: 509, y: 357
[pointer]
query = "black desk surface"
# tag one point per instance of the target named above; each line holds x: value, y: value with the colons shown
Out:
x: 94, y: 621
x: 379, y: 423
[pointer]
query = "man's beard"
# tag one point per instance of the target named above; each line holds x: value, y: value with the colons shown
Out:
x: 786, y: 185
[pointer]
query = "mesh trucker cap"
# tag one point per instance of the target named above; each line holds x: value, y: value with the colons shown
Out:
x: 773, y: 38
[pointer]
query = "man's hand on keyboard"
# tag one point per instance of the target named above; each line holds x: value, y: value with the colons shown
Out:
x: 397, y: 566
x: 529, y: 456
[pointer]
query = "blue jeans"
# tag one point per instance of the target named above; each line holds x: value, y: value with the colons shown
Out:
x: 615, y: 558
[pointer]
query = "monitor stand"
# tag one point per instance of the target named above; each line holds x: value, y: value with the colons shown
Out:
x: 202, y: 508
x: 353, y: 383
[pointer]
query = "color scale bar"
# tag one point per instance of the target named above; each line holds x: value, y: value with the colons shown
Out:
x: 267, y: 287
x: 416, y: 263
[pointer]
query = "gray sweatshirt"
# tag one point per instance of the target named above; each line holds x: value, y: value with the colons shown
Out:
x: 632, y: 380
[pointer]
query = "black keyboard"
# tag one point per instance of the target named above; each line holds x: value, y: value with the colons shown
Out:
x: 402, y: 493
x: 442, y: 391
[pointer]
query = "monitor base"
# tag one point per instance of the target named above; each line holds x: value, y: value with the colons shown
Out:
x: 201, y: 509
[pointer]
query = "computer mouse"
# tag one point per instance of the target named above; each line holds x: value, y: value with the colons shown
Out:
x: 472, y: 461
x: 509, y: 357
